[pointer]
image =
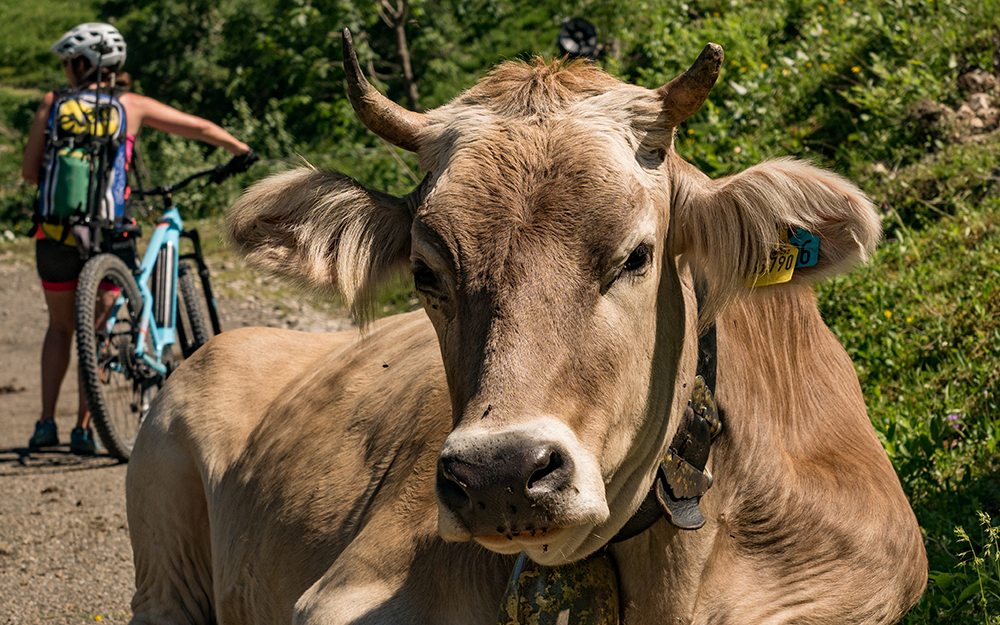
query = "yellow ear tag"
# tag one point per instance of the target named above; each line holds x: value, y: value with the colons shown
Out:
x: 779, y: 267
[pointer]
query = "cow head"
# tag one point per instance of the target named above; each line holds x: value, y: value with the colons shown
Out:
x: 554, y: 244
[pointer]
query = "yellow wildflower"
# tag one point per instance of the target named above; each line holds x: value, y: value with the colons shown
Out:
x: 855, y: 69
x: 887, y: 313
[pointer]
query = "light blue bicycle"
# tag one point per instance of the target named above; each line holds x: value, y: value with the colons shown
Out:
x: 130, y: 316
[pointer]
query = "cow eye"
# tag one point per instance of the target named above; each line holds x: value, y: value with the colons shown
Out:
x: 639, y: 259
x: 424, y: 278
x: 634, y: 266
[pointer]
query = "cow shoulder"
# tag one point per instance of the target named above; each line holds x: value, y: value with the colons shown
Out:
x: 210, y: 404
x: 348, y: 446
x: 811, y: 499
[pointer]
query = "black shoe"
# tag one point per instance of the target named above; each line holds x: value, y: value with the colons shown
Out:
x: 82, y: 442
x: 45, y: 434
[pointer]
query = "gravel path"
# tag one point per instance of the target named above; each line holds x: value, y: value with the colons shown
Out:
x: 65, y: 555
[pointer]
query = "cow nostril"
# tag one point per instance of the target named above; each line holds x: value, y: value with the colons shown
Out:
x: 546, y: 467
x: 450, y: 489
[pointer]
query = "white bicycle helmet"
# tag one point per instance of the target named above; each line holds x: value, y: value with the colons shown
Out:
x: 98, y: 43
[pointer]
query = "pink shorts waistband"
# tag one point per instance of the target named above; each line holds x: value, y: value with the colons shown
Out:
x: 71, y: 286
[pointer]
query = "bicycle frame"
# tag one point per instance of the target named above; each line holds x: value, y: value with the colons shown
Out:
x: 163, y: 257
x: 165, y: 236
x: 160, y: 323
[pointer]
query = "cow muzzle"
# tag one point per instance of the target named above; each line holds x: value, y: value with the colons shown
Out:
x: 514, y: 488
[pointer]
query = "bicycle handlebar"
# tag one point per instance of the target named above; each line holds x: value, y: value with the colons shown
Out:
x: 167, y: 189
x: 236, y: 165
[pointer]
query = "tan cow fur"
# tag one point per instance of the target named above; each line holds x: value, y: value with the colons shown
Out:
x: 283, y: 476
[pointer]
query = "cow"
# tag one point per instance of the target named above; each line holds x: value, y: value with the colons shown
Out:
x: 589, y: 299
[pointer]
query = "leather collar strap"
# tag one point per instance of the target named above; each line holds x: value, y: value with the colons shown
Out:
x: 681, y: 478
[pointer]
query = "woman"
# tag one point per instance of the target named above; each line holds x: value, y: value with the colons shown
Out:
x: 82, y: 50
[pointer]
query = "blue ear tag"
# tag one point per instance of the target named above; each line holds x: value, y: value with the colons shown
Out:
x: 808, y: 245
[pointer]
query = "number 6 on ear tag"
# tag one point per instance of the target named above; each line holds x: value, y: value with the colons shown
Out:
x: 808, y: 245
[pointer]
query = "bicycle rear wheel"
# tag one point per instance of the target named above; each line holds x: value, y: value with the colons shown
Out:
x: 118, y: 386
x: 192, y: 328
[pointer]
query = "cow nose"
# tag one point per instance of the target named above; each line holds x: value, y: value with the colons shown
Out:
x: 512, y: 483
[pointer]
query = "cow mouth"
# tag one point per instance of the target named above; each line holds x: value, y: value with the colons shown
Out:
x: 522, y: 539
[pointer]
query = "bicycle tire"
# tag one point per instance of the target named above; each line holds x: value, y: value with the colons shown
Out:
x: 194, y: 331
x: 117, y: 386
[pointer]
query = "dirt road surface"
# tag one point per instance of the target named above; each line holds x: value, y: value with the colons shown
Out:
x: 65, y: 556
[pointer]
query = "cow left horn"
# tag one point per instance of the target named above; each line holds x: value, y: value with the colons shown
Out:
x: 684, y: 95
x: 381, y: 115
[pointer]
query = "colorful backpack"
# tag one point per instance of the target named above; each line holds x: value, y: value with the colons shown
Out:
x: 83, y: 170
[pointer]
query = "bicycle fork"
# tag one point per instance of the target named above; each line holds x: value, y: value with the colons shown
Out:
x: 203, y: 274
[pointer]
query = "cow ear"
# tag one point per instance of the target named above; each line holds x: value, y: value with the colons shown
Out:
x: 730, y: 228
x: 324, y: 231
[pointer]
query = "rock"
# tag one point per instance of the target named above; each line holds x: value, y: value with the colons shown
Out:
x: 980, y: 103
x: 964, y: 114
x: 978, y: 81
x: 933, y: 119
x: 980, y: 113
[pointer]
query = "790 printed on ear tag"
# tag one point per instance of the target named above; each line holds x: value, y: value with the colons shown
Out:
x: 801, y: 249
x: 779, y: 268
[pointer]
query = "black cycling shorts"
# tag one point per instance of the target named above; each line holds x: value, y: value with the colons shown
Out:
x: 59, y: 265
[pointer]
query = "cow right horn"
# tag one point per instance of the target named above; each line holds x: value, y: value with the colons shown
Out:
x: 684, y: 95
x: 381, y: 115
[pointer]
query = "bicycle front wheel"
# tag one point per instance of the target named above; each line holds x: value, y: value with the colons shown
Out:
x: 191, y: 326
x: 118, y: 386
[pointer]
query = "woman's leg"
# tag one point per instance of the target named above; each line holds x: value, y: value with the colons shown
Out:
x: 58, y: 268
x: 57, y: 348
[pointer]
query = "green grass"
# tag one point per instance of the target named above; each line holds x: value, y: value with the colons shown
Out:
x: 976, y: 577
